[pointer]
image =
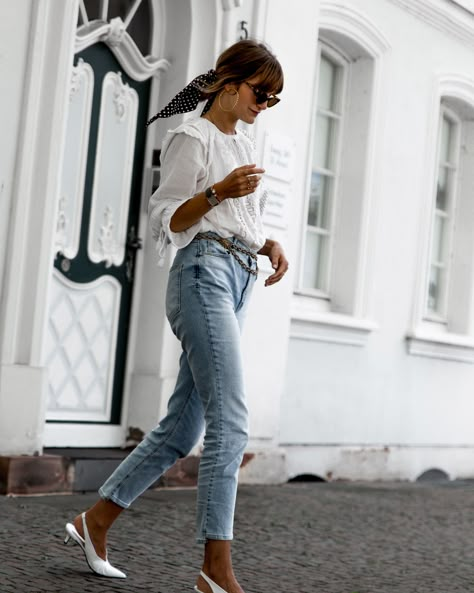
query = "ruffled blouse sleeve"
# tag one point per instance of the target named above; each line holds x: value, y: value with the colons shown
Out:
x: 183, y: 174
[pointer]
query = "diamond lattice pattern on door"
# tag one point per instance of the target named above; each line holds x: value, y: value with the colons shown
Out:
x: 81, y: 343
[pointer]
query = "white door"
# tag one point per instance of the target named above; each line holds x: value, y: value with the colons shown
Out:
x: 96, y: 242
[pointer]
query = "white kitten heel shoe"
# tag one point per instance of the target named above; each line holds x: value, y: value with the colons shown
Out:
x: 214, y: 586
x: 96, y: 564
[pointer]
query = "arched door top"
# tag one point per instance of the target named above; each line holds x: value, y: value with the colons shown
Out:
x: 111, y: 22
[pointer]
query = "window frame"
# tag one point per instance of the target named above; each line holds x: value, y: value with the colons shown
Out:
x: 347, y: 318
x: 453, y: 338
x: 441, y: 317
x: 338, y: 58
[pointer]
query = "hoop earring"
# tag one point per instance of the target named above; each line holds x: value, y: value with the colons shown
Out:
x: 235, y: 102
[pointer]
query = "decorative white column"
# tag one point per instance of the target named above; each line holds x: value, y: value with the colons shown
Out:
x: 29, y: 245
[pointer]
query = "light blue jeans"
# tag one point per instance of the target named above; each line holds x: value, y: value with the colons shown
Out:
x: 205, y: 304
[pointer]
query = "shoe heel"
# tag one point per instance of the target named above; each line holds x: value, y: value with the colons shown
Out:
x: 67, y: 538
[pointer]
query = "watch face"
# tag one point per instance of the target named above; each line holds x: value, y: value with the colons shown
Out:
x: 213, y: 201
x: 211, y: 197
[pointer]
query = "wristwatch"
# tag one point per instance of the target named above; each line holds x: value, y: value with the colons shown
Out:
x: 211, y: 197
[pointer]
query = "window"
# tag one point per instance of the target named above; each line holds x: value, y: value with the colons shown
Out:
x: 332, y: 299
x: 443, y: 216
x: 320, y: 206
x: 443, y: 322
x: 335, y: 218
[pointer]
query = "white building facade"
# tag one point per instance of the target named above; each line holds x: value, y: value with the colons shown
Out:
x: 360, y: 364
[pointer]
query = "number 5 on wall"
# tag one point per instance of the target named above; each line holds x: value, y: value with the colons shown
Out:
x: 244, y: 31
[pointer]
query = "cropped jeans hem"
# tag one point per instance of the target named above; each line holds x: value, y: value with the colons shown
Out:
x: 204, y: 540
x: 114, y: 499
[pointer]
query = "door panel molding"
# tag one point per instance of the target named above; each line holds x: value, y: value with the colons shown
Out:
x: 69, y: 215
x: 113, y: 171
x: 80, y: 348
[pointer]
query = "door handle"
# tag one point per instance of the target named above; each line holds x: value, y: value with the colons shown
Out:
x: 134, y: 242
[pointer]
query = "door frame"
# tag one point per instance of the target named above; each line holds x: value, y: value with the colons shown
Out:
x: 113, y: 34
x: 152, y: 350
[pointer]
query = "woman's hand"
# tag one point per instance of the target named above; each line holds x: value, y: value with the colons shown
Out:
x: 276, y: 255
x: 240, y: 182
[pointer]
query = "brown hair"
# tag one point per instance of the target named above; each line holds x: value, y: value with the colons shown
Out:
x: 244, y: 60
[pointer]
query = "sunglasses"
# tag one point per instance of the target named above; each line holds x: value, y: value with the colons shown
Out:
x: 262, y: 97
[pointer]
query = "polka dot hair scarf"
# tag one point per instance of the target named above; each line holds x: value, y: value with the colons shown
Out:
x: 188, y: 99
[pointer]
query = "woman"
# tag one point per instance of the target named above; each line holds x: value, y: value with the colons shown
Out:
x: 209, y: 205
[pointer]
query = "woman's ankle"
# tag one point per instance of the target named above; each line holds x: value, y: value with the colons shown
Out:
x: 103, y: 514
x: 217, y: 565
x: 218, y: 572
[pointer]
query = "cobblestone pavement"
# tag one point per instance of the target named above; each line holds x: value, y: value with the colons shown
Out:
x: 295, y: 538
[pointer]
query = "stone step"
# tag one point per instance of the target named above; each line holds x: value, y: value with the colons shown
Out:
x: 78, y: 470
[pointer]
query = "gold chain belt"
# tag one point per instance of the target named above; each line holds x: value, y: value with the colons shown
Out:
x: 232, y: 248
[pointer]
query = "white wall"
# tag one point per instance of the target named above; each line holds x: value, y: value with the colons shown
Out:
x: 37, y: 64
x: 14, y: 43
x: 376, y: 394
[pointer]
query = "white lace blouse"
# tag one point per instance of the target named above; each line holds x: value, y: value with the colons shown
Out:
x: 194, y: 156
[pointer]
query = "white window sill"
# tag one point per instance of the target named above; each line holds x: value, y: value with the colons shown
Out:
x: 443, y: 345
x: 309, y: 323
